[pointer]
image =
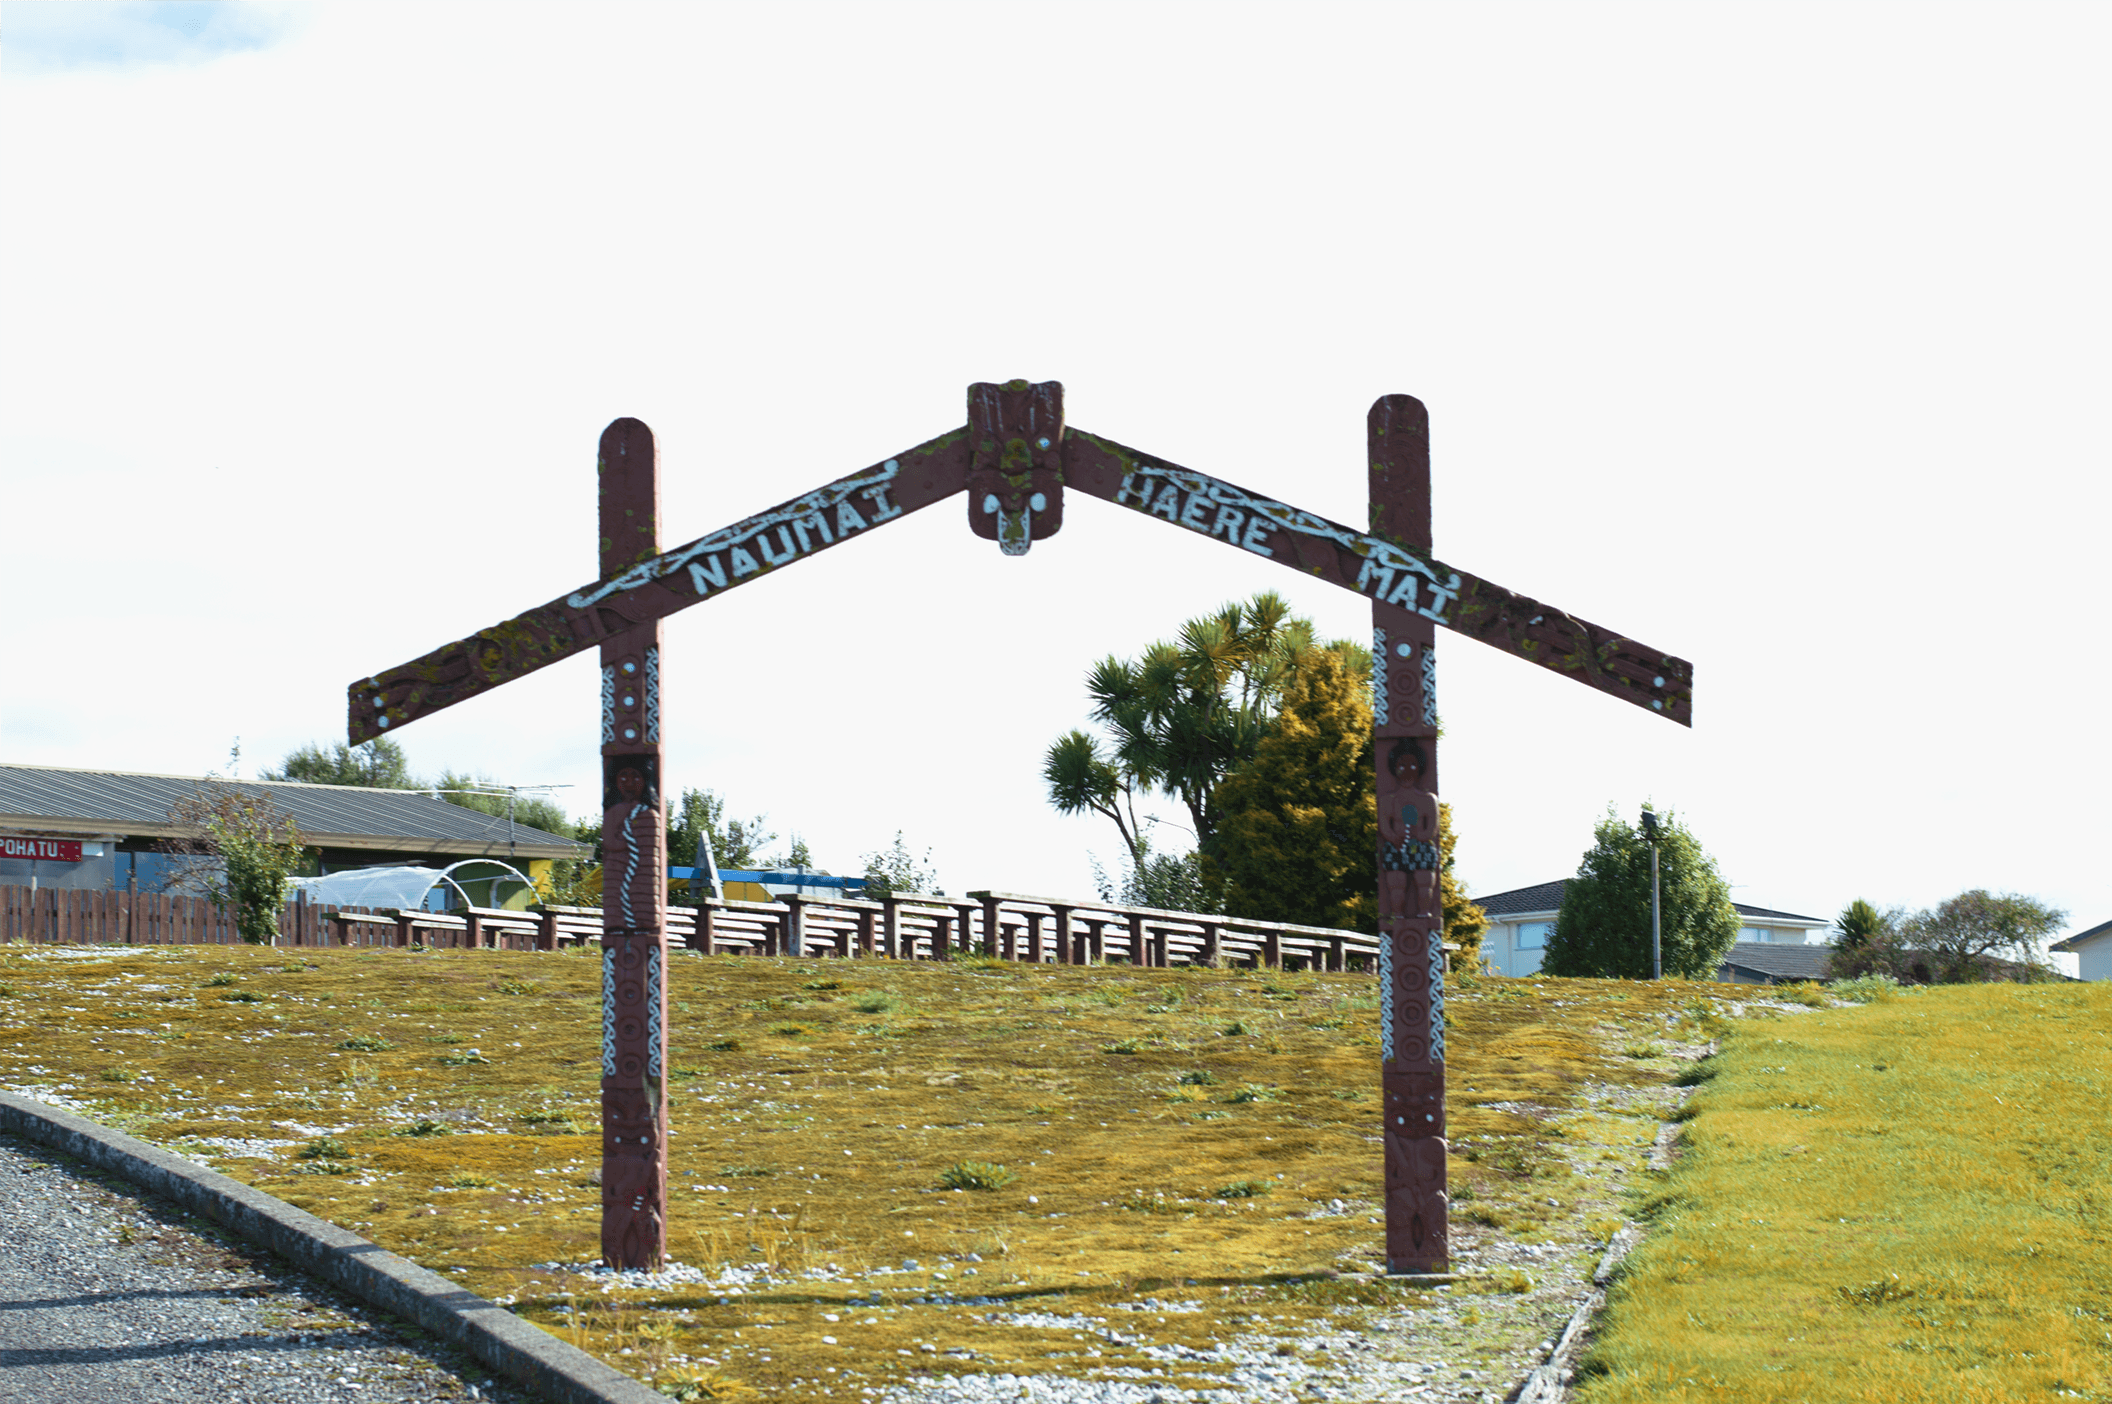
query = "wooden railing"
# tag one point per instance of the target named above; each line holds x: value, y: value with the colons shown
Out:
x: 907, y: 926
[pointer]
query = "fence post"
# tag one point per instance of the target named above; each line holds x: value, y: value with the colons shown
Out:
x: 1272, y: 949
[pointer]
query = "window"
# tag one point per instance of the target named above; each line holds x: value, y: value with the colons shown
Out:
x: 1532, y: 935
x: 1755, y: 933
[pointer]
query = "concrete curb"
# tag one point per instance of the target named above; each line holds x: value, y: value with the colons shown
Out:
x: 492, y: 1334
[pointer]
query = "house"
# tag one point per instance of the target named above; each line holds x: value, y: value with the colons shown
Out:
x: 2092, y: 950
x: 104, y: 829
x: 1519, y: 921
x: 1764, y: 963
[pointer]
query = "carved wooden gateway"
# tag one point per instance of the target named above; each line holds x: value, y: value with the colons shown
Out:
x: 1015, y: 458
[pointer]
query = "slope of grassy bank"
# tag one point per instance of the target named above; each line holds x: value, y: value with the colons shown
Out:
x: 1905, y: 1201
x: 1189, y: 1156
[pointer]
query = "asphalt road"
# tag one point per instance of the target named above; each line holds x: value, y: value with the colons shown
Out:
x: 109, y: 1295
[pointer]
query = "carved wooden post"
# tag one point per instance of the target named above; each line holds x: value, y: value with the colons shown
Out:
x: 1411, y: 922
x: 634, y: 886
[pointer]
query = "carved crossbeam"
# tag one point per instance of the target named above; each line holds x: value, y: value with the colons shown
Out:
x: 1381, y: 566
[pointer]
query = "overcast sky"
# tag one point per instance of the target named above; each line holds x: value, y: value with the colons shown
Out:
x: 1772, y: 336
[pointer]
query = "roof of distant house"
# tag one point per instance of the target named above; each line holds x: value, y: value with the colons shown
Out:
x: 2075, y: 942
x: 55, y: 800
x: 1547, y: 897
x: 1775, y: 962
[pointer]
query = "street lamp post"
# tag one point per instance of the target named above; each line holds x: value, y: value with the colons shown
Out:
x: 1657, y: 954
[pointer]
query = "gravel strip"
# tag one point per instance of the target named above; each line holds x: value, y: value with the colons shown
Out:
x: 110, y: 1295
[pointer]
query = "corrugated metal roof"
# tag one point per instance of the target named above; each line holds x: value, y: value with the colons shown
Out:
x: 54, y: 799
x: 1547, y: 897
x: 1776, y: 962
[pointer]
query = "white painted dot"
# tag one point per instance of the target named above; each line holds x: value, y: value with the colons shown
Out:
x: 1037, y: 501
x: 630, y: 733
x: 382, y: 720
x: 377, y: 700
x: 1657, y: 682
x: 1403, y: 649
x: 989, y: 502
x: 1657, y: 703
x: 1044, y: 443
x: 630, y: 701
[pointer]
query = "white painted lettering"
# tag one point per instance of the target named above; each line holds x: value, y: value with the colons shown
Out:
x: 743, y: 563
x: 1404, y: 593
x: 1444, y: 602
x: 1373, y: 571
x: 1136, y: 490
x: 1169, y: 504
x: 1256, y: 538
x: 847, y: 519
x: 1228, y: 520
x: 714, y: 574
x: 1192, y: 514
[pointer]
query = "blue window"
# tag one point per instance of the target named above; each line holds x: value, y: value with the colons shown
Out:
x: 1532, y: 935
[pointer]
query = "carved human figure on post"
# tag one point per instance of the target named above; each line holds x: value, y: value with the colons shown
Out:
x: 630, y: 844
x: 1408, y: 836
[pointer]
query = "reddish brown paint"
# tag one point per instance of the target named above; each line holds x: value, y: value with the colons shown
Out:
x: 634, y: 892
x: 1014, y: 447
x: 1015, y: 478
x: 1411, y: 919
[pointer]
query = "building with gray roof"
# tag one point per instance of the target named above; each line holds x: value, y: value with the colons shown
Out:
x: 120, y: 823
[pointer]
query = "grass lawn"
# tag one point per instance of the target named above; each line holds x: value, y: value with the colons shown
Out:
x: 1189, y: 1157
x: 1906, y: 1201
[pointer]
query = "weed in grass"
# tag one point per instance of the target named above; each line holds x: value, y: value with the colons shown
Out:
x: 324, y: 1148
x: 724, y: 1045
x: 426, y: 1126
x: 1253, y: 1092
x: 746, y: 1172
x: 791, y: 1030
x: 219, y: 981
x: 976, y: 1175
x: 518, y: 987
x: 821, y: 985
x: 367, y: 1043
x: 1243, y: 1189
x: 7, y: 991
x: 1200, y: 1077
x: 1124, y: 1045
x: 446, y: 1038
x: 1185, y: 1094
x: 243, y: 997
x: 875, y: 1002
x: 1513, y: 1280
x: 1238, y: 1028
x: 1643, y: 1050
x: 466, y: 1180
x: 699, y: 1384
x: 462, y: 1059
x: 1350, y: 1094
x: 120, y: 1074
x: 358, y: 1074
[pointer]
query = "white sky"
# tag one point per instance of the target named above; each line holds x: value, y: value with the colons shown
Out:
x: 1773, y: 336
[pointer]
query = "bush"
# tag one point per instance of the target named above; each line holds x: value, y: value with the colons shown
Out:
x: 324, y: 1148
x: 1244, y: 1189
x: 367, y: 1043
x: 976, y: 1175
x: 875, y: 1002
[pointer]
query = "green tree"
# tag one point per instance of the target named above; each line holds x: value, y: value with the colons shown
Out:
x: 1299, y: 823
x: 1183, y: 714
x: 1465, y: 921
x: 1603, y: 928
x: 895, y: 869
x: 1172, y: 882
x: 377, y: 765
x: 241, y: 849
x: 480, y: 794
x: 1979, y: 935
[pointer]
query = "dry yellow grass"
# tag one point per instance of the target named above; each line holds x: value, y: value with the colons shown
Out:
x: 440, y: 1103
x: 1907, y: 1201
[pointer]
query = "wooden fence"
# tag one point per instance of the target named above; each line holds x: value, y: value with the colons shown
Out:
x: 1002, y: 925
